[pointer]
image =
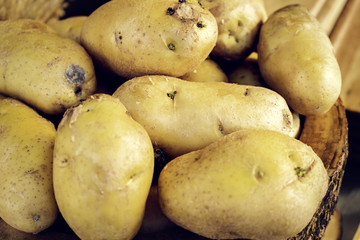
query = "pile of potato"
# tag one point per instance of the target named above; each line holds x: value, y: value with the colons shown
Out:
x: 217, y: 86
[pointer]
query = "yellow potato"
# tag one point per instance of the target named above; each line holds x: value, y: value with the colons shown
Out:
x: 247, y: 73
x: 27, y: 200
x: 48, y: 72
x: 239, y: 22
x: 69, y: 27
x: 207, y: 71
x: 297, y: 60
x: 138, y: 37
x: 103, y: 168
x: 182, y: 116
x: 250, y: 184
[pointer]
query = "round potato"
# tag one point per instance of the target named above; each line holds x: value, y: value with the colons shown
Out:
x: 48, y: 72
x: 139, y: 37
x: 239, y: 22
x: 207, y: 71
x: 182, y: 116
x: 103, y: 168
x: 247, y: 73
x: 296, y: 59
x: 250, y: 184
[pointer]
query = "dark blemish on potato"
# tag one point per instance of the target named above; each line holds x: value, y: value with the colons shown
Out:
x: 286, y: 119
x: 300, y: 172
x: 171, y: 46
x: 200, y: 25
x: 31, y: 171
x: 36, y: 218
x: 75, y: 74
x: 221, y: 129
x: 78, y: 91
x: 200, y: 4
x: 182, y: 1
x: 171, y: 94
x: 246, y: 93
x: 259, y: 175
x: 64, y: 161
x: 239, y: 23
x: 170, y: 11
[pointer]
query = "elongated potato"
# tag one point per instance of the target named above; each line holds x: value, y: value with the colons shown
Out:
x: 250, y: 184
x: 27, y: 200
x: 138, y: 37
x: 48, y: 72
x: 297, y: 60
x: 103, y: 167
x: 182, y: 116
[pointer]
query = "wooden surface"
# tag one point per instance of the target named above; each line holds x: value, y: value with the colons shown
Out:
x: 346, y: 41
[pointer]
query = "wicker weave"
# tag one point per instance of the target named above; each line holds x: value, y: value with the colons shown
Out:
x: 42, y: 10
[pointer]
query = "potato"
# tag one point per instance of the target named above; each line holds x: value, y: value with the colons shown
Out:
x: 139, y: 37
x: 239, y: 23
x: 27, y: 200
x: 69, y: 27
x: 207, y: 71
x: 48, y: 72
x: 182, y: 116
x: 296, y: 129
x: 297, y: 60
x: 103, y: 167
x: 250, y: 184
x: 247, y: 73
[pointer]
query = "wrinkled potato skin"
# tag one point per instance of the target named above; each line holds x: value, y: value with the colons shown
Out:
x: 132, y: 37
x: 103, y: 168
x: 69, y: 27
x: 207, y: 71
x: 239, y: 22
x: 244, y: 186
x: 27, y: 200
x: 200, y: 112
x: 296, y: 59
x: 48, y: 72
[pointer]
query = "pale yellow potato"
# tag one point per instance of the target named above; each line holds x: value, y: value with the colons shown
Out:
x: 138, y: 37
x: 296, y: 59
x: 250, y: 184
x: 239, y: 22
x: 182, y: 116
x: 247, y: 73
x: 296, y: 129
x: 69, y: 27
x: 103, y: 168
x: 43, y: 69
x: 207, y: 71
x: 27, y: 200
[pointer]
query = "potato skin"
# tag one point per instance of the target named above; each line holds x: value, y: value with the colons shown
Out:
x: 27, y: 200
x: 297, y: 60
x: 69, y: 27
x: 182, y: 116
x: 207, y: 71
x: 250, y: 184
x: 239, y: 22
x: 48, y: 72
x: 103, y: 167
x: 169, y: 37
